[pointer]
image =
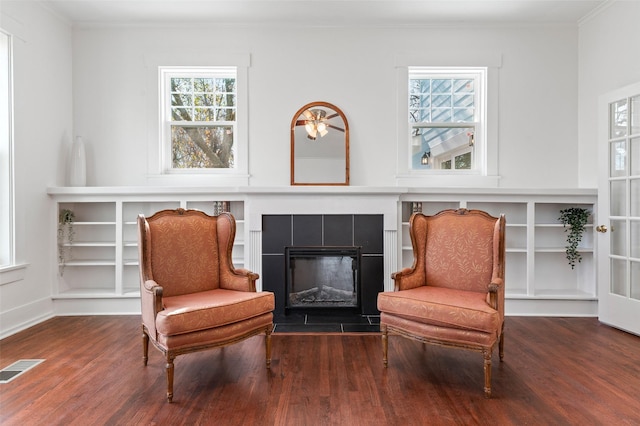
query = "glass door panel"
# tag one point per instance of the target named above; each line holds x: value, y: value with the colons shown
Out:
x: 619, y: 210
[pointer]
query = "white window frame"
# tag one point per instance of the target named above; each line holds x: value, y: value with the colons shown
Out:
x: 479, y: 75
x: 7, y: 214
x: 156, y: 170
x: 485, y: 173
x: 166, y: 73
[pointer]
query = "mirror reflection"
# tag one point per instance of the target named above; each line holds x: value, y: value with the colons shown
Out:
x: 319, y: 146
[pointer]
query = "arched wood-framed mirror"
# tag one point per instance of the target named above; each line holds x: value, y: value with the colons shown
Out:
x: 319, y: 145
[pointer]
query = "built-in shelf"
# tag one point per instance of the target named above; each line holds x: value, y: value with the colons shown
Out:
x: 536, y: 264
x: 100, y: 261
x: 100, y: 272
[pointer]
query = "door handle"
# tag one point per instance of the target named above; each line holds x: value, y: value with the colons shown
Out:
x: 601, y: 228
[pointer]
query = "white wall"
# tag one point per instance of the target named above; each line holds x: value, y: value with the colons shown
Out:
x: 94, y: 82
x: 42, y: 132
x: 353, y: 68
x: 609, y: 59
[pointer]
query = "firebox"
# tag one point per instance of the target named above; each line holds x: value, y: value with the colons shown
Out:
x: 322, y: 277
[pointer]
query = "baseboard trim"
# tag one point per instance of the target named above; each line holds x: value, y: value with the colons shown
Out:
x: 25, y: 316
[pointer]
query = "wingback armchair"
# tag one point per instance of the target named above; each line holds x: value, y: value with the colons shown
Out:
x: 453, y: 295
x: 192, y: 296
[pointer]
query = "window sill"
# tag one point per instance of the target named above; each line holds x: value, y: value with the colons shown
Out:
x: 447, y: 181
x: 199, y: 179
x: 12, y: 273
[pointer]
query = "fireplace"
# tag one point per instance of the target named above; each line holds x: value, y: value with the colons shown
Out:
x: 322, y: 277
x: 330, y: 241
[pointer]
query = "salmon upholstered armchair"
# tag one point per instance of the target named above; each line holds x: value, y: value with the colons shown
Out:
x: 192, y: 296
x: 453, y: 295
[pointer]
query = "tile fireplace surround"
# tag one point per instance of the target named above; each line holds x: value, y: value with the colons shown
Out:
x: 327, y: 202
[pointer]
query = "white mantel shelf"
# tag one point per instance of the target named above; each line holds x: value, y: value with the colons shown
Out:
x: 304, y: 190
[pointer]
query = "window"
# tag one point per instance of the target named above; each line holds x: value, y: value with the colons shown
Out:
x: 6, y: 153
x: 199, y: 119
x: 446, y: 118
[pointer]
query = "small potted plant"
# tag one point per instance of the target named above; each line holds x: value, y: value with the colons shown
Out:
x: 574, y: 220
x: 66, y: 218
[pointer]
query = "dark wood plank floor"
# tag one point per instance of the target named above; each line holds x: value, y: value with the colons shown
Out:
x: 556, y: 371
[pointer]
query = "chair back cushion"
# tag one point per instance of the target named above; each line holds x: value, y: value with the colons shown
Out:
x: 184, y: 251
x: 458, y: 248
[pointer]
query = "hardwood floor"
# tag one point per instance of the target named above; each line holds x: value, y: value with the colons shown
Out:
x: 556, y: 371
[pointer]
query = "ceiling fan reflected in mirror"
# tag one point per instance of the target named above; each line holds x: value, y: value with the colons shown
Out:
x: 316, y: 123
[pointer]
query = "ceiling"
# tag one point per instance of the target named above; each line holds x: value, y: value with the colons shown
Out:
x: 323, y: 12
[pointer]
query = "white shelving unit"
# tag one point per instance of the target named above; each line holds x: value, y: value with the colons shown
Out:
x: 101, y: 274
x: 538, y: 278
x: 101, y: 261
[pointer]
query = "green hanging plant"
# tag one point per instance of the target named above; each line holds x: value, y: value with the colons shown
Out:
x: 66, y: 218
x: 574, y: 220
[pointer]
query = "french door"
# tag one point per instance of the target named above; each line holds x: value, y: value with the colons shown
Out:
x: 619, y: 209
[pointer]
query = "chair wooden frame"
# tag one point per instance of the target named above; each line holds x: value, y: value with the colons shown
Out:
x: 406, y: 278
x: 152, y: 295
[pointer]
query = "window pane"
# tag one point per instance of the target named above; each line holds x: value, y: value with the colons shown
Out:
x: 204, y: 100
x: 441, y: 101
x: 203, y: 85
x: 618, y: 237
x: 462, y: 114
x: 179, y: 99
x: 463, y: 101
x: 203, y: 114
x: 618, y: 159
x: 634, y: 157
x: 619, y: 277
x: 227, y: 85
x: 225, y: 114
x: 618, y: 111
x: 463, y: 161
x: 635, y: 238
x: 463, y: 86
x: 635, y: 115
x: 634, y: 198
x: 441, y: 86
x: 182, y: 85
x: 635, y: 280
x: 440, y: 143
x: 181, y: 114
x: 227, y: 99
x: 441, y: 115
x: 202, y: 147
x: 446, y: 165
x: 618, y: 198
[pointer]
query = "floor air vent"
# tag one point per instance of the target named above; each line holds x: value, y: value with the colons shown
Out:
x: 12, y: 371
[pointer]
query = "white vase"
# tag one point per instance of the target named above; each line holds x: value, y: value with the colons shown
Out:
x: 78, y: 164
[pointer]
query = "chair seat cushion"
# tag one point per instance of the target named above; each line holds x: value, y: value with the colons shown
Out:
x: 209, y: 309
x: 443, y: 307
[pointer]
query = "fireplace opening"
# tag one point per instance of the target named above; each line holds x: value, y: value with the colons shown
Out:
x: 322, y: 277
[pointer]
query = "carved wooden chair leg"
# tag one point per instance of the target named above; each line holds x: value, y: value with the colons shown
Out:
x: 501, y: 344
x: 170, y: 359
x: 145, y: 346
x: 267, y: 346
x: 385, y: 345
x: 487, y: 372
